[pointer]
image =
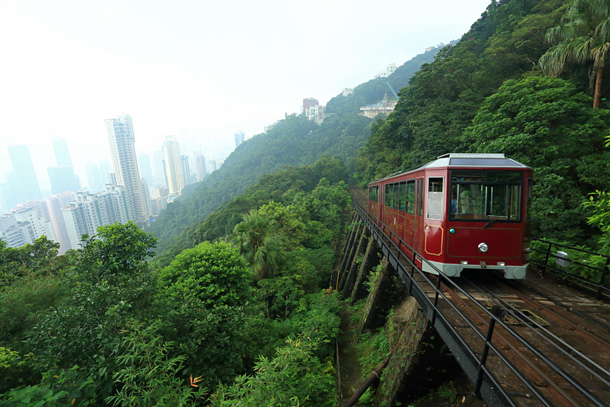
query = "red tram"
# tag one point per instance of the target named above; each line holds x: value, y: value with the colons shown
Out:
x: 461, y: 211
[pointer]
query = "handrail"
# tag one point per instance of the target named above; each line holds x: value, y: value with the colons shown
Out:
x: 475, y: 367
x: 599, y: 288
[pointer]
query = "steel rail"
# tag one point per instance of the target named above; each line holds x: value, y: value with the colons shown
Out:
x: 563, y: 347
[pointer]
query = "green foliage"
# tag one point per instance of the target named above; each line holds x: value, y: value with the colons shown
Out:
x: 199, y: 301
x: 547, y: 123
x: 599, y: 204
x: 149, y: 376
x: 117, y: 250
x: 31, y: 260
x: 301, y: 372
x: 582, y: 38
x: 373, y: 91
x: 372, y: 349
x: 293, y: 377
x: 68, y: 388
x: 210, y: 274
x: 106, y: 292
x: 281, y: 187
x: 294, y: 141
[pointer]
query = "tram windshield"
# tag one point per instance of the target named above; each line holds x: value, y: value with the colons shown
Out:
x: 486, y: 195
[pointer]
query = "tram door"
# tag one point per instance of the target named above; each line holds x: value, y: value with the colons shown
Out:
x: 419, y: 215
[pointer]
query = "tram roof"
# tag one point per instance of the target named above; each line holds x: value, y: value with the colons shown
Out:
x: 467, y: 160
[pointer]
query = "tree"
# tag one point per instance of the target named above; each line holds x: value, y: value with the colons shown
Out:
x: 546, y: 123
x: 582, y: 38
x: 201, y: 300
x: 117, y: 250
x: 260, y: 243
x: 213, y: 274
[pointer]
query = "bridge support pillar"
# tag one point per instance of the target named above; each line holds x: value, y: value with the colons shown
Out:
x: 405, y: 330
x: 386, y: 292
x: 369, y: 261
x: 352, y: 269
x: 350, y: 250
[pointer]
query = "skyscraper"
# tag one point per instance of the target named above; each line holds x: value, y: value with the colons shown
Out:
x: 145, y: 167
x: 62, y: 152
x: 62, y: 177
x: 26, y: 187
x: 239, y: 138
x: 173, y: 165
x: 122, y: 148
x: 200, y: 166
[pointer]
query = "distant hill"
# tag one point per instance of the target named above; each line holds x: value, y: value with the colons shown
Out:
x: 373, y: 91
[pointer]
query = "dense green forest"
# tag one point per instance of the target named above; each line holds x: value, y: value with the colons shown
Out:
x: 245, y: 318
x: 225, y: 302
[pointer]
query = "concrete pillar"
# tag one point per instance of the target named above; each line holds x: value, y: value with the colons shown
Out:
x: 387, y: 292
x: 352, y: 270
x: 350, y: 251
x: 370, y: 260
x: 405, y: 330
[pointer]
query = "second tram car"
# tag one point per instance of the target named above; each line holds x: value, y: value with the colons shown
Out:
x: 461, y: 211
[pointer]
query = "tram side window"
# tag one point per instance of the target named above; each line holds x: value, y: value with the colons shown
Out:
x: 435, y: 198
x: 402, y: 196
x: 374, y: 194
x: 386, y: 195
x: 410, y: 197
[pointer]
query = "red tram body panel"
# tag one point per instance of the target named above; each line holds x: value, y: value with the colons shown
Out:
x: 461, y: 211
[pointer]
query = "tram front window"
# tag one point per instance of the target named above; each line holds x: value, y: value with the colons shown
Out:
x: 486, y: 195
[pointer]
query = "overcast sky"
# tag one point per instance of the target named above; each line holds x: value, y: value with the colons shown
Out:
x: 199, y: 70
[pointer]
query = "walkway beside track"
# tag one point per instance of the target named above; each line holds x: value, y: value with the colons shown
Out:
x: 519, y: 346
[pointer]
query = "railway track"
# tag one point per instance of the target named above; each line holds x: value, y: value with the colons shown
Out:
x: 547, y: 344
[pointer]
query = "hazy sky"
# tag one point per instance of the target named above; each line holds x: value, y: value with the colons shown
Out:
x: 200, y: 70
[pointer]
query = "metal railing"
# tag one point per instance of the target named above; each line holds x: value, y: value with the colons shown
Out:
x: 582, y: 267
x: 475, y: 366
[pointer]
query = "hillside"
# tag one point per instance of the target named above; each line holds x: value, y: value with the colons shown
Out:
x: 293, y: 141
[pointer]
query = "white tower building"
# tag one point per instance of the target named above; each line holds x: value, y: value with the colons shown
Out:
x: 173, y: 165
x: 121, y: 140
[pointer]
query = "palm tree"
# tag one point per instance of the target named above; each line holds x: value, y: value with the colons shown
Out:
x: 260, y: 244
x: 583, y: 38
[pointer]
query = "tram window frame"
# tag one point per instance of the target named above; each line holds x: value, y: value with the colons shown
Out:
x: 435, y: 198
x: 486, y: 183
x: 402, y: 196
x: 374, y: 193
x: 410, y: 199
x: 386, y: 195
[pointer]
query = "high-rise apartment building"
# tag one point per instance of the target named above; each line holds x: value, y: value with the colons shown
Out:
x: 26, y: 183
x: 145, y: 168
x: 173, y: 166
x: 122, y: 148
x: 62, y: 152
x: 14, y: 233
x: 239, y: 138
x: 200, y: 166
x: 55, y: 204
x: 36, y: 214
x: 62, y: 177
x: 186, y: 170
x: 90, y: 211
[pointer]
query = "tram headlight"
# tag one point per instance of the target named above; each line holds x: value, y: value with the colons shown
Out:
x: 483, y: 247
